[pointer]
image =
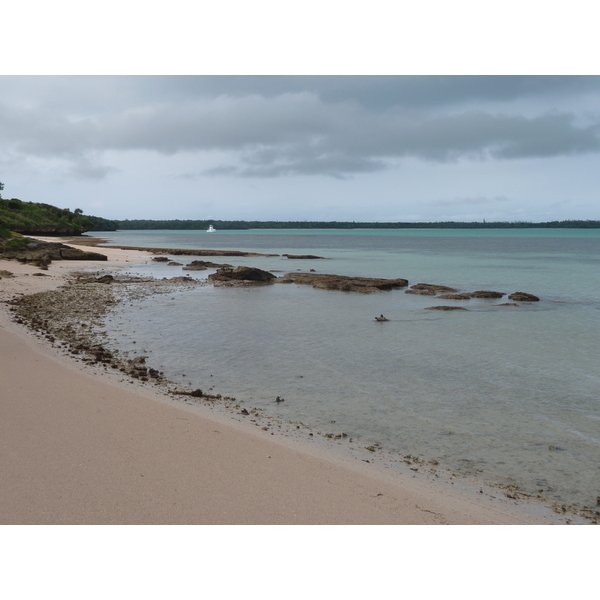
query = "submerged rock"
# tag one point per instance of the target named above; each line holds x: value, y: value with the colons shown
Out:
x: 436, y: 289
x: 455, y: 297
x: 241, y: 274
x: 202, y: 265
x: 302, y: 256
x: 363, y: 285
x: 523, y: 297
x: 445, y: 308
x: 421, y: 292
x: 486, y: 294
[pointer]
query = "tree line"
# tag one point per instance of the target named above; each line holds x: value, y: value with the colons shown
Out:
x: 177, y: 224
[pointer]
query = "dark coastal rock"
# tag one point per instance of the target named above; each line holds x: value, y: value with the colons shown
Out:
x: 445, y: 308
x: 192, y: 252
x: 302, y: 256
x: 523, y: 297
x: 41, y: 253
x: 6, y: 274
x: 436, y: 289
x: 67, y: 253
x: 363, y: 285
x: 160, y: 259
x: 486, y: 294
x: 420, y: 292
x: 455, y: 297
x: 172, y: 263
x: 507, y: 304
x: 241, y: 274
x: 202, y: 265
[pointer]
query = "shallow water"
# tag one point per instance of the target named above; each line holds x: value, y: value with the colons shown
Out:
x: 484, y: 391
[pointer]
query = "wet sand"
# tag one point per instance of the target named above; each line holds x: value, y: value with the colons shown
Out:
x: 77, y: 446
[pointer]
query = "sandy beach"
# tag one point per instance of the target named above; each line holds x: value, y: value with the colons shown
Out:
x: 78, y: 446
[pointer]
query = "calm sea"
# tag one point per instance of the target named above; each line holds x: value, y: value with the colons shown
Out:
x: 485, y: 391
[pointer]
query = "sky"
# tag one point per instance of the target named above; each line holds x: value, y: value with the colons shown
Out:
x: 327, y: 148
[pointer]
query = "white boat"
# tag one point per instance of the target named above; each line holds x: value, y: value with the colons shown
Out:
x: 210, y: 229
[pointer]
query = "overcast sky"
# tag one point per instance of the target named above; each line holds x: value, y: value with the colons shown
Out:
x: 344, y: 148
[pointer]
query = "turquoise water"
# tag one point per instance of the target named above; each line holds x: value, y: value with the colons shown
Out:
x: 485, y: 391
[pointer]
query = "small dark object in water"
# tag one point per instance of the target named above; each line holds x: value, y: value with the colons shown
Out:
x: 381, y: 318
x: 278, y: 399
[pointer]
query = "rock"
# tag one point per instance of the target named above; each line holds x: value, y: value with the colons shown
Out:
x: 160, y: 259
x: 172, y: 263
x: 523, y: 297
x: 430, y: 286
x: 302, y: 256
x: 364, y: 285
x: 6, y: 274
x: 241, y: 274
x: 486, y: 294
x: 67, y: 253
x: 421, y: 292
x: 507, y: 304
x: 42, y: 254
x: 202, y: 265
x: 138, y: 360
x: 455, y: 297
x: 445, y: 308
x: 192, y: 252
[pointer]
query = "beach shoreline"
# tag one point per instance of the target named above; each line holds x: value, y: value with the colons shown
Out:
x: 83, y: 445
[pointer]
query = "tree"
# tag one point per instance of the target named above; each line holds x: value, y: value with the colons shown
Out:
x: 1, y: 188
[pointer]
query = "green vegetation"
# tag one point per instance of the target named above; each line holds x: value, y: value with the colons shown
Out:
x: 100, y: 224
x: 228, y: 225
x: 43, y: 219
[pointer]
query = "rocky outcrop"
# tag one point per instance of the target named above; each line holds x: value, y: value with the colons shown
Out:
x: 227, y: 274
x: 523, y: 297
x: 192, y: 252
x: 445, y: 308
x: 302, y: 256
x: 202, y: 265
x: 160, y: 259
x: 363, y: 285
x: 42, y: 254
x: 6, y: 274
x: 455, y: 297
x: 420, y: 292
x: 436, y: 289
x: 486, y: 294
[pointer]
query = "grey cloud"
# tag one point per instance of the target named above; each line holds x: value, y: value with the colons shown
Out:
x: 274, y: 126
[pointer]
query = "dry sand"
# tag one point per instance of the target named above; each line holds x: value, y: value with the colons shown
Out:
x: 78, y: 447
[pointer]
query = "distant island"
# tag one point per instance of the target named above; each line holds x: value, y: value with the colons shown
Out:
x: 34, y: 218
x: 139, y: 224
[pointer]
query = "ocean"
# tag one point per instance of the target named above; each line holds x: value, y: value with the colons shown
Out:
x: 510, y: 395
